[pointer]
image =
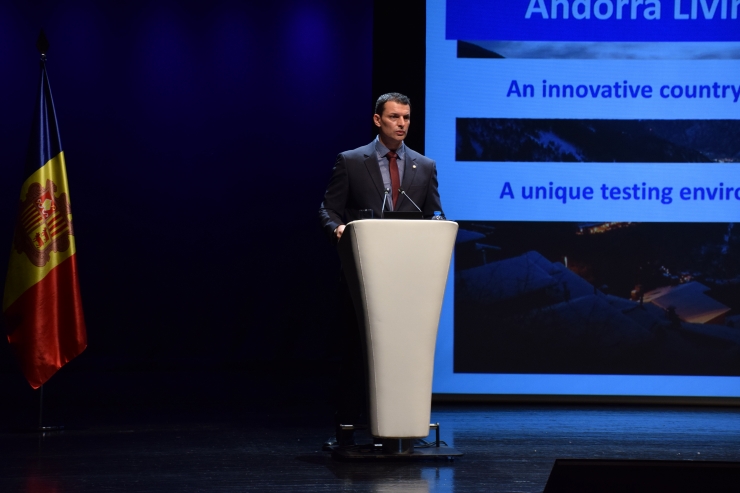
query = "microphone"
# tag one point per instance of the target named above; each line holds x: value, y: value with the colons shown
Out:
x: 402, y: 192
x: 385, y: 199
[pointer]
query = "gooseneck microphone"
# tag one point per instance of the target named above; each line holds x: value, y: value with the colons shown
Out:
x: 385, y: 200
x: 402, y: 192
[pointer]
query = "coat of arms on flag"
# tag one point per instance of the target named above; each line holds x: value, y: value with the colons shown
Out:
x: 43, y: 224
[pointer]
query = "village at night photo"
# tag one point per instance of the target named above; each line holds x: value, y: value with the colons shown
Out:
x: 597, y: 298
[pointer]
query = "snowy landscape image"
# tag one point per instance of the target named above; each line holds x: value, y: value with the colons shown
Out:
x: 588, y: 140
x: 597, y: 298
x: 589, y: 50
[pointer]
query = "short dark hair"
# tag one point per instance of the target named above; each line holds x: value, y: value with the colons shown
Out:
x: 396, y: 97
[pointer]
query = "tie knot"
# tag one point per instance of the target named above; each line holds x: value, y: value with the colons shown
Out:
x: 392, y: 155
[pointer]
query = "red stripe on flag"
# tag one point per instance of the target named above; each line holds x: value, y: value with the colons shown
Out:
x: 29, y: 213
x: 33, y: 221
x: 56, y: 227
x: 46, y: 327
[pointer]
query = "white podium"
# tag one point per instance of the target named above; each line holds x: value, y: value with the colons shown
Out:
x: 397, y: 272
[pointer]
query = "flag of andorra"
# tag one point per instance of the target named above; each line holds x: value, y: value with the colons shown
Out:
x: 41, y: 303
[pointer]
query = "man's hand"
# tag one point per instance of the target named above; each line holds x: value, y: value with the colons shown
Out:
x: 338, y: 232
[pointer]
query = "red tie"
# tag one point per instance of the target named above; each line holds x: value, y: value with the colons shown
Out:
x: 395, y: 180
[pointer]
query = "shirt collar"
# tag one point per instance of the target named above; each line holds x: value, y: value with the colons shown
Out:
x: 383, y: 150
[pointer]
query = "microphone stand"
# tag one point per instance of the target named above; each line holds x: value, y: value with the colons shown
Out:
x: 402, y: 192
x: 385, y: 199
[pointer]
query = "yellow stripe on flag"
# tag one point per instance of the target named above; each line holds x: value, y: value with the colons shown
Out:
x: 22, y: 271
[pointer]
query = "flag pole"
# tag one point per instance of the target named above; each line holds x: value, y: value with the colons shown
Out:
x: 42, y: 44
x: 41, y: 428
x: 41, y: 408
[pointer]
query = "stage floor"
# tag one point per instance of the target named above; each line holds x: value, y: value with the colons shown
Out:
x: 274, y: 444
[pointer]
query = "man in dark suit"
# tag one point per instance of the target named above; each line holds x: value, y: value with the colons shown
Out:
x: 372, y: 177
x: 362, y: 176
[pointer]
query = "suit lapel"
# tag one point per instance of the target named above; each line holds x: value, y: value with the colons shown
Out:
x: 373, y: 167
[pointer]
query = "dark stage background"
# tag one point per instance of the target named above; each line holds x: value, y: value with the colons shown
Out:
x: 199, y: 138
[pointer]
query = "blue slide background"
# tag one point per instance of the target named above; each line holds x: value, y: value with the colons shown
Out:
x: 477, y: 88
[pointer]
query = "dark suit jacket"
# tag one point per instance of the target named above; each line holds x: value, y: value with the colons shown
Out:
x: 356, y: 184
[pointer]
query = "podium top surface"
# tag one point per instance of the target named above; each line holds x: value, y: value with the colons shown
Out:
x: 405, y: 222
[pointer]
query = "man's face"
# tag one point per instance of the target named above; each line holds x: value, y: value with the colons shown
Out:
x: 393, y: 124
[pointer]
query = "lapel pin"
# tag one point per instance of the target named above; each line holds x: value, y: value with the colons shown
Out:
x: 414, y: 166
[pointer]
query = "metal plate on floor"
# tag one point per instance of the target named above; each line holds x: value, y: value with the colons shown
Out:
x: 370, y: 452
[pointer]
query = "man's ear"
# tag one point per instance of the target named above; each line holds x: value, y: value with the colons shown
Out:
x: 376, y: 119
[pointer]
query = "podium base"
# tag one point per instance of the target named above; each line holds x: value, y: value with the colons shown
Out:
x: 371, y: 451
x: 401, y: 449
x: 394, y: 448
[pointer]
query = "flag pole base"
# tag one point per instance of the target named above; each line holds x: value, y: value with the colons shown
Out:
x: 40, y: 430
x: 49, y: 429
